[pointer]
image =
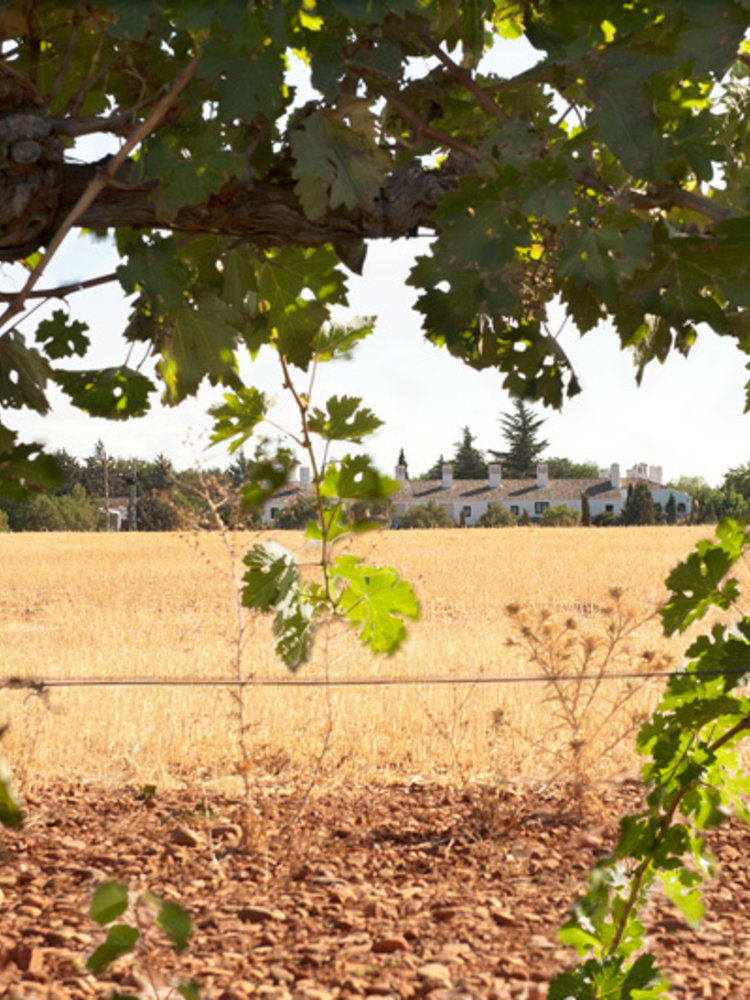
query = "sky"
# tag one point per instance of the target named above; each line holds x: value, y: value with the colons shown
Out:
x: 687, y: 415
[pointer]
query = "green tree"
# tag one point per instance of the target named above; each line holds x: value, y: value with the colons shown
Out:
x: 497, y: 515
x: 738, y: 479
x: 520, y: 429
x: 156, y: 512
x: 564, y: 468
x: 79, y: 511
x: 560, y: 516
x: 639, y: 505
x: 427, y: 515
x: 435, y: 471
x: 468, y: 461
x: 101, y: 474
x: 585, y: 510
x: 670, y: 510
x: 71, y: 468
x: 238, y: 470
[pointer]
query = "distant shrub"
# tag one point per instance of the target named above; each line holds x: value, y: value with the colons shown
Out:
x: 497, y: 516
x: 560, y: 517
x: 607, y: 519
x: 427, y: 515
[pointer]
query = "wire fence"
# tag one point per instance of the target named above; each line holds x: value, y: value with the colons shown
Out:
x: 40, y: 686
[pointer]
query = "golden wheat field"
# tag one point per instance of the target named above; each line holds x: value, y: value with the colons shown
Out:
x: 76, y: 607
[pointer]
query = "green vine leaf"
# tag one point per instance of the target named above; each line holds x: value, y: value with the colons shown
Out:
x: 121, y: 939
x: 10, y: 811
x: 266, y: 475
x: 61, y: 336
x: 238, y: 416
x: 176, y: 924
x: 271, y: 576
x: 375, y: 600
x: 344, y: 420
x: 114, y: 393
x: 696, y: 583
x: 356, y: 478
x: 335, y: 164
x: 110, y: 901
x: 272, y: 584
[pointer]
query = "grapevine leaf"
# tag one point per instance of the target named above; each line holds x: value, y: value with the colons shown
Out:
x: 10, y: 812
x: 189, y: 991
x: 121, y: 939
x: 110, y: 900
x: 294, y: 627
x: 337, y: 524
x: 115, y: 393
x: 334, y: 165
x: 23, y: 374
x: 238, y: 416
x: 376, y: 601
x: 201, y: 343
x: 356, y: 478
x: 271, y: 576
x: 696, y: 583
x: 338, y: 340
x: 25, y: 468
x: 681, y: 887
x: 176, y: 924
x: 61, y: 336
x: 265, y: 476
x: 344, y: 420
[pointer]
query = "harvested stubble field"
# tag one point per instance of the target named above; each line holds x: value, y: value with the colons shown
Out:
x: 164, y: 606
x: 438, y: 847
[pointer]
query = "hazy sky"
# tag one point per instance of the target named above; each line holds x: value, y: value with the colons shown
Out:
x: 686, y: 416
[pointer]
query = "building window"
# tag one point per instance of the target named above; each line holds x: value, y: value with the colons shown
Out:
x: 466, y: 511
x: 515, y: 509
x: 610, y: 508
x: 540, y: 506
x: 681, y: 508
x: 274, y: 513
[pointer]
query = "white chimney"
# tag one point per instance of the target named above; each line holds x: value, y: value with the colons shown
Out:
x: 614, y: 475
x: 496, y: 474
x: 304, y: 476
x: 447, y: 476
x: 542, y: 475
x: 655, y: 474
x: 401, y: 473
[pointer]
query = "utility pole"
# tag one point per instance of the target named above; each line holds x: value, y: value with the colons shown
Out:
x: 105, y: 473
x: 132, y: 499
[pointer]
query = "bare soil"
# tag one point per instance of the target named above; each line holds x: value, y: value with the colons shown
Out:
x: 400, y: 891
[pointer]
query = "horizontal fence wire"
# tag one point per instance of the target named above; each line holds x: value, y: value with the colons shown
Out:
x: 40, y: 686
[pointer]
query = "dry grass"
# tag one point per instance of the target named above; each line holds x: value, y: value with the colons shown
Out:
x: 77, y: 606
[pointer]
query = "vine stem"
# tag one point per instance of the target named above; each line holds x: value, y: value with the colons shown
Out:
x: 640, y: 872
x: 303, y: 408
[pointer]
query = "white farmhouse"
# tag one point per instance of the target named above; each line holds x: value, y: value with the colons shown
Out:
x: 465, y: 500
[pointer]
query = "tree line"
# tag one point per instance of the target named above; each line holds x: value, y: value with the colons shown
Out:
x: 166, y: 499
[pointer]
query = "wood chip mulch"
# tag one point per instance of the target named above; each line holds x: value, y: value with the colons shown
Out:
x: 404, y: 891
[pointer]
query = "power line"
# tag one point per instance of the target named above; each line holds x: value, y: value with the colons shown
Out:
x: 40, y: 686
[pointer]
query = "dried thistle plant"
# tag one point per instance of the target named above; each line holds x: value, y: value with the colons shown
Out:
x: 594, y: 697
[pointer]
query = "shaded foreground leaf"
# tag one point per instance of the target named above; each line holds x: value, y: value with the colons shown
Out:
x: 176, y: 923
x: 110, y: 900
x: 121, y: 939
